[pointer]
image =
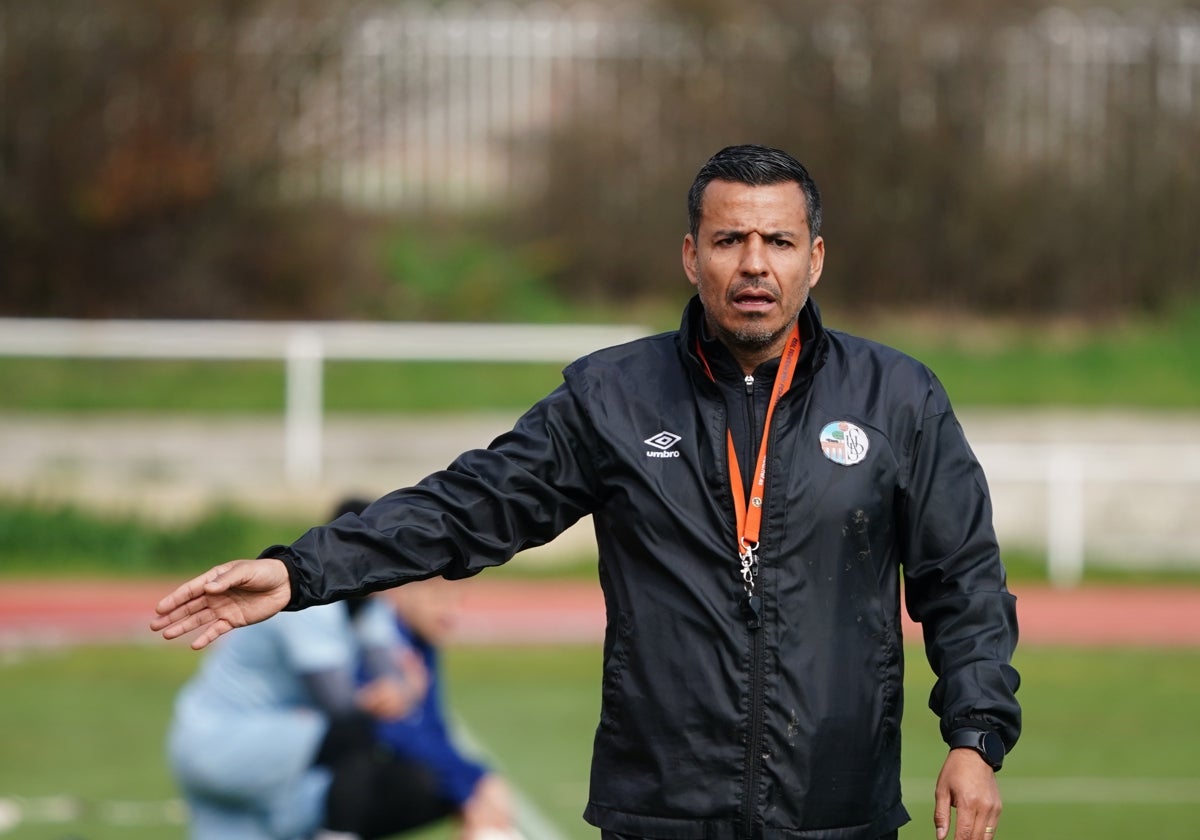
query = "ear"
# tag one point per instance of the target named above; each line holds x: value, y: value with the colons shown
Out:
x: 816, y: 261
x: 689, y: 260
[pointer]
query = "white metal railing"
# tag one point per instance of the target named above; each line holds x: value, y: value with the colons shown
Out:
x: 304, y: 347
x: 1067, y: 471
x: 1067, y: 477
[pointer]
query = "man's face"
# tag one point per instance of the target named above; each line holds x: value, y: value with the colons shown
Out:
x: 753, y: 265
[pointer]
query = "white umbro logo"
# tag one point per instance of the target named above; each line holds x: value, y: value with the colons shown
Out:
x: 662, y: 442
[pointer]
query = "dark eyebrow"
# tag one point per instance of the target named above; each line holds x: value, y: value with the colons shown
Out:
x: 775, y: 234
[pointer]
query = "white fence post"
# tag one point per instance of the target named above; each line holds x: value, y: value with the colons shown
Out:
x: 1065, y: 517
x: 302, y: 456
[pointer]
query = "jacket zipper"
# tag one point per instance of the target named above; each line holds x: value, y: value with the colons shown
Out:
x: 753, y: 615
x: 753, y: 745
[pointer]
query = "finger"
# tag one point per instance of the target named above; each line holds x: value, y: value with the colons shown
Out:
x: 182, y: 625
x: 966, y: 825
x: 189, y: 609
x: 215, y: 630
x: 224, y: 577
x: 976, y: 820
x: 197, y: 587
x: 186, y: 623
x: 187, y: 592
x: 161, y: 622
x: 941, y: 813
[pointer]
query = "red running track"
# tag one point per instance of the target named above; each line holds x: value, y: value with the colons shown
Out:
x: 499, y: 611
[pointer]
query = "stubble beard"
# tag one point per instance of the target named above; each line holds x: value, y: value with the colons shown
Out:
x: 751, y: 337
x: 756, y: 335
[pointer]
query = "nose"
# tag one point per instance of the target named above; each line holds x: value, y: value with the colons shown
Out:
x: 754, y: 256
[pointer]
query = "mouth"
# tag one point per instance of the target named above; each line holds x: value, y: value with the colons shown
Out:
x: 753, y: 300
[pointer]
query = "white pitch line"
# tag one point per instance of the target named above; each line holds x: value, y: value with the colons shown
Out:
x: 1067, y: 790
x: 530, y: 820
x: 59, y: 810
x: 21, y: 810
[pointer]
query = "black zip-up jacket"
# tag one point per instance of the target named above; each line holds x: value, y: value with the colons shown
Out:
x: 714, y: 723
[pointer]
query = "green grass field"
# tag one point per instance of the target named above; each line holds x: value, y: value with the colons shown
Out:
x: 1108, y: 752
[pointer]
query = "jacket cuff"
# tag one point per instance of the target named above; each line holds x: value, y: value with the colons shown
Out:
x: 288, y: 557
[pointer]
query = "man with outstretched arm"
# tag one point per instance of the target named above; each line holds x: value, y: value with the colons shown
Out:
x: 760, y: 485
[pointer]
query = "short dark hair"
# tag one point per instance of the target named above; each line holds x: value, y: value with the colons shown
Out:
x: 757, y: 166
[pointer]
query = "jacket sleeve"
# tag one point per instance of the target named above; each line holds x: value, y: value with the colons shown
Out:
x: 955, y: 581
x: 526, y: 488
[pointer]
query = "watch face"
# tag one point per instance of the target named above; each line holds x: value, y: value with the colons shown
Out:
x: 993, y: 748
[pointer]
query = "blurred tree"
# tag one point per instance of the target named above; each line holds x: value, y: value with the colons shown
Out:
x: 896, y: 107
x: 139, y: 158
x: 155, y: 154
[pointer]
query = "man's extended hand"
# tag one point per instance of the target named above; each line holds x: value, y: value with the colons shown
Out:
x: 227, y: 596
x: 968, y: 785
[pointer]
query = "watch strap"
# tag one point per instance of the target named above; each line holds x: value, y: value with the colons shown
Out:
x: 985, y: 742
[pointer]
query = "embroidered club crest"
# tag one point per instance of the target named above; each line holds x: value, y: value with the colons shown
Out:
x: 844, y: 443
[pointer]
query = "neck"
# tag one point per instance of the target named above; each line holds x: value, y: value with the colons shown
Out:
x: 749, y: 361
x: 750, y: 354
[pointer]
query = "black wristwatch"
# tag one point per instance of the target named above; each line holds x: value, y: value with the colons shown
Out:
x: 987, y: 744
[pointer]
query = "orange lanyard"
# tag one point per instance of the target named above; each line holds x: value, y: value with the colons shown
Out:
x: 749, y: 516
